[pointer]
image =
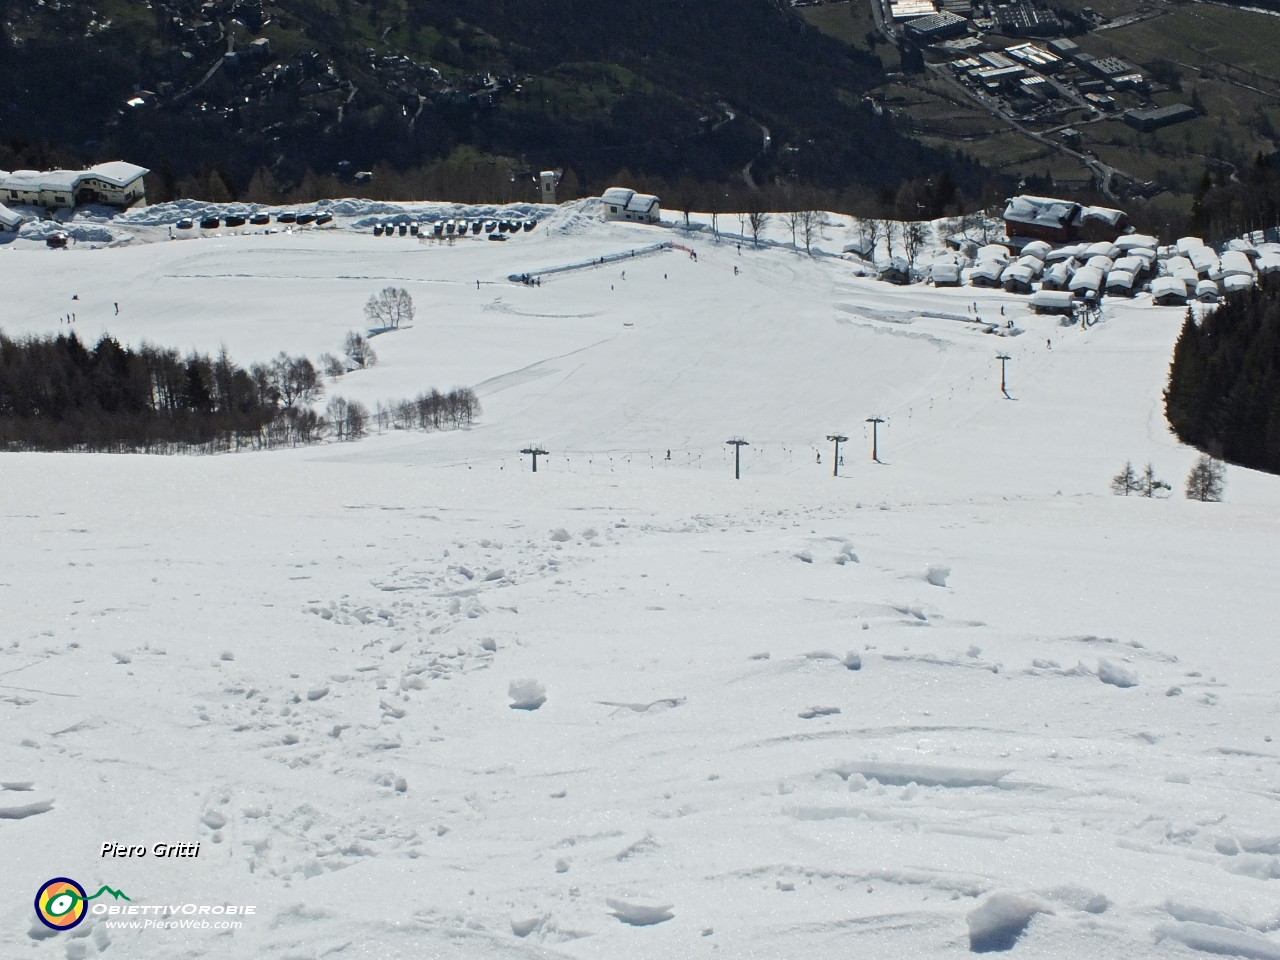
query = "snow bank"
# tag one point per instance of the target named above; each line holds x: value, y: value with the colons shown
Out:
x: 76, y: 230
x: 998, y: 923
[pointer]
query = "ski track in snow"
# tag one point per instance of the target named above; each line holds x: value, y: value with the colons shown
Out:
x: 959, y: 700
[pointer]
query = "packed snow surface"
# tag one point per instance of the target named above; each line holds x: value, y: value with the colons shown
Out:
x: 792, y: 715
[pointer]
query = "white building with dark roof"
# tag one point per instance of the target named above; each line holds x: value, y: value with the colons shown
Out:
x: 115, y: 184
x: 623, y: 204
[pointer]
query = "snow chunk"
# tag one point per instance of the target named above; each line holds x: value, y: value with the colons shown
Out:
x: 560, y: 535
x: 1116, y: 675
x: 639, y: 914
x: 317, y: 693
x: 804, y: 556
x: 526, y: 694
x: 852, y: 660
x: 495, y: 574
x: 525, y: 926
x: 937, y: 574
x: 997, y: 923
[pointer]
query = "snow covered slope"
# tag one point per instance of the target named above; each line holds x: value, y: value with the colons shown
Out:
x: 959, y: 698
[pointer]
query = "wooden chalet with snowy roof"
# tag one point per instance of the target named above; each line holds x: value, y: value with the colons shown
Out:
x: 1061, y: 221
x: 623, y: 204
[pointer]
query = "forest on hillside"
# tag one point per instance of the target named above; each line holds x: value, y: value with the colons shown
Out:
x: 280, y: 99
x: 1223, y: 395
x: 56, y: 393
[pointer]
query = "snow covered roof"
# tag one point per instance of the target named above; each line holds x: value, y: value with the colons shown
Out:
x: 1169, y: 288
x: 8, y: 218
x: 1042, y: 211
x: 641, y: 202
x: 1105, y: 214
x: 118, y: 173
x: 620, y: 196
x: 1269, y: 263
x: 1086, y: 278
x: 1236, y: 262
x: 41, y: 180
x: 1054, y: 299
x: 1137, y: 240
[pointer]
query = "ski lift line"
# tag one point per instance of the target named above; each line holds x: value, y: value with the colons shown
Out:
x: 597, y: 262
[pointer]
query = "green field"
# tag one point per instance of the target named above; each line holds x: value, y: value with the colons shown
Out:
x: 1222, y: 59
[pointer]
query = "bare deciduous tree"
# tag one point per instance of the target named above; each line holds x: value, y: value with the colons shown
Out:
x: 810, y: 228
x: 389, y: 308
x: 792, y: 219
x: 913, y: 238
x: 758, y: 220
x: 332, y: 367
x: 359, y: 351
x: 872, y: 230
x: 295, y: 380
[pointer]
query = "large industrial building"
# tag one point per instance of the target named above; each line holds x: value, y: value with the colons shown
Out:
x: 1148, y: 120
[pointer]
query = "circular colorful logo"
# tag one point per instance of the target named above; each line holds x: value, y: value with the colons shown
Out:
x: 60, y: 904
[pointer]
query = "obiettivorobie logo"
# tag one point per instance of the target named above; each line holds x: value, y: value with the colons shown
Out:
x: 61, y: 903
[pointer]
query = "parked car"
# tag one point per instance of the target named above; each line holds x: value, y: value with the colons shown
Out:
x: 186, y: 223
x: 305, y: 218
x: 497, y: 236
x: 324, y: 218
x: 258, y: 219
x: 235, y: 221
x: 210, y: 223
x: 56, y: 241
x: 287, y: 218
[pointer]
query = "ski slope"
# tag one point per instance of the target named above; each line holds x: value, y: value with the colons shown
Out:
x: 1058, y: 737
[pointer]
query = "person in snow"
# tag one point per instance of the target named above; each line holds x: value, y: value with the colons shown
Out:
x: 735, y: 271
x: 117, y: 306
